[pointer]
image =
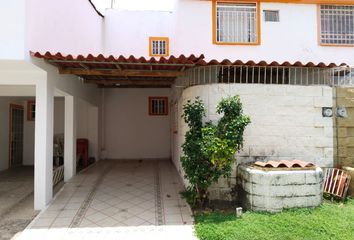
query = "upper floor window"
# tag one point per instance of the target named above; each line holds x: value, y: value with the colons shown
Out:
x: 337, y: 25
x: 236, y: 23
x: 158, y: 46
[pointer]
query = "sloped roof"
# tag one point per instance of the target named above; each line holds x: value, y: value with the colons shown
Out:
x: 140, y: 71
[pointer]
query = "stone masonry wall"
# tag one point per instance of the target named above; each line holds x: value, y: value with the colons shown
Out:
x: 273, y: 191
x: 287, y: 123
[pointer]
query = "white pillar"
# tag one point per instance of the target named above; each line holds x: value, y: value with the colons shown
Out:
x: 69, y: 138
x: 43, y: 163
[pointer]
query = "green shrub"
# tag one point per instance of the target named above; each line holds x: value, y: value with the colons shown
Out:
x: 209, y: 149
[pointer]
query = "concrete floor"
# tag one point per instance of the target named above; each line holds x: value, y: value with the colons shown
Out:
x: 16, y: 200
x: 117, y: 200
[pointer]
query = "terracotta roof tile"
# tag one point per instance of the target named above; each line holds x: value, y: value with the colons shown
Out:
x: 182, y: 59
x: 284, y: 164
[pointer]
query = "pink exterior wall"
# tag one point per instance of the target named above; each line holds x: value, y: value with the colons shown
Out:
x: 67, y: 26
x: 189, y: 27
x: 127, y: 32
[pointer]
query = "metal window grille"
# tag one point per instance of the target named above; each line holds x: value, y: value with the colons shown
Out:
x: 271, y: 16
x: 236, y: 23
x: 158, y: 106
x: 337, y: 24
x: 159, y: 47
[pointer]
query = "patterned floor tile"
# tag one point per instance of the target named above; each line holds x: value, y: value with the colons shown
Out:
x: 115, y: 195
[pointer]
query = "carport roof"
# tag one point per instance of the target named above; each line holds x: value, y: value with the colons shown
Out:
x: 122, y: 71
x: 141, y: 72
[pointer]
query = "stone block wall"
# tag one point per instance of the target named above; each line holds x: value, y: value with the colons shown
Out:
x: 273, y: 191
x: 287, y: 123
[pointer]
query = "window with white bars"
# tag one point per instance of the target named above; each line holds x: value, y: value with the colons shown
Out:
x: 159, y: 46
x: 271, y: 16
x: 236, y: 23
x: 337, y: 24
x: 158, y: 106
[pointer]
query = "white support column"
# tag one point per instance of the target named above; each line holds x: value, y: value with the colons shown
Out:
x: 70, y: 138
x: 43, y: 163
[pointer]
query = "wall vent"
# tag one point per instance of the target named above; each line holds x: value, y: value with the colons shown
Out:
x: 271, y: 16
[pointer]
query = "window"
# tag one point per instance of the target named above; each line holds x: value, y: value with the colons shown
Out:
x: 158, y: 46
x: 271, y: 16
x: 236, y: 23
x: 31, y: 110
x: 337, y: 25
x: 158, y: 106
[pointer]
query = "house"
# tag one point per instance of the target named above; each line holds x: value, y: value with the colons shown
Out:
x: 120, y: 80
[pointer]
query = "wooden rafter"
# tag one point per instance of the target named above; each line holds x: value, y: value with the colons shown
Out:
x: 133, y: 86
x: 84, y: 66
x: 166, y: 82
x: 121, y: 73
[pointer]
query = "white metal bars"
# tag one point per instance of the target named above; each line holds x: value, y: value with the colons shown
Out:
x: 336, y: 182
x: 159, y: 47
x: 58, y: 175
x: 236, y: 23
x: 306, y: 76
x: 337, y: 24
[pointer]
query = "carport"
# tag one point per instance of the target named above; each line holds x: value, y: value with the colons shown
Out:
x: 136, y: 87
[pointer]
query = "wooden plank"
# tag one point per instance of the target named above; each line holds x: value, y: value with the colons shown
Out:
x: 133, y: 86
x: 166, y: 82
x: 119, y: 73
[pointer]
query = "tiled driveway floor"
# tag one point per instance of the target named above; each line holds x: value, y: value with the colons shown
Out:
x: 118, y: 200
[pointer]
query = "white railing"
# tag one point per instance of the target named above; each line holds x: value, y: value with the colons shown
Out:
x: 58, y: 175
x: 340, y: 76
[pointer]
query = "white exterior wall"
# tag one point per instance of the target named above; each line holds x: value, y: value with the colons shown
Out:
x: 66, y: 26
x: 130, y: 133
x: 12, y: 25
x: 127, y: 32
x: 189, y: 28
x: 287, y: 122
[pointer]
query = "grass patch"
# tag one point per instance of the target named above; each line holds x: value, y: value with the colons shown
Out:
x: 329, y: 221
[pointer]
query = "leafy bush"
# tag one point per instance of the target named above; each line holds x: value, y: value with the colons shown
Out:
x: 209, y: 149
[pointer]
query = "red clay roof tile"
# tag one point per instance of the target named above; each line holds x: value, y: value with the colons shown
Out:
x: 192, y: 59
x: 284, y: 164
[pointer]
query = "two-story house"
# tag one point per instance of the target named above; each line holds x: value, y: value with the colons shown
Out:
x: 120, y: 79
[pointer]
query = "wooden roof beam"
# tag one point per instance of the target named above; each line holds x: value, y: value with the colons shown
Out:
x: 84, y: 66
x: 166, y: 82
x: 119, y: 73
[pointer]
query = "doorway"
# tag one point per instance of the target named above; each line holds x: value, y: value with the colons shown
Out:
x: 16, y: 135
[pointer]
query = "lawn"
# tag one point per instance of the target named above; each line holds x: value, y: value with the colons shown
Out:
x: 329, y: 221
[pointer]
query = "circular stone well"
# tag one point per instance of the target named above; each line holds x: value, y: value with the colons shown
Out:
x: 275, y: 189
